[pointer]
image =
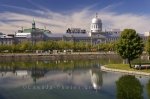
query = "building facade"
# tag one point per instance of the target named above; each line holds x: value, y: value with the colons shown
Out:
x: 6, y: 40
x: 96, y: 34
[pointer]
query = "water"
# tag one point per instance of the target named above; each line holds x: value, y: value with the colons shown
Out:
x: 68, y: 79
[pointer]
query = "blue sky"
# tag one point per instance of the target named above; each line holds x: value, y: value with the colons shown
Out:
x: 57, y: 15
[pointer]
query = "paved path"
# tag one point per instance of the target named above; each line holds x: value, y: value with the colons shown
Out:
x: 103, y: 68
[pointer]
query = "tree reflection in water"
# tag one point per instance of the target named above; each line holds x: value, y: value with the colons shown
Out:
x: 148, y: 89
x: 96, y: 78
x: 129, y: 87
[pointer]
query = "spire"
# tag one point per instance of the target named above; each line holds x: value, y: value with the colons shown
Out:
x: 96, y: 15
x: 33, y: 24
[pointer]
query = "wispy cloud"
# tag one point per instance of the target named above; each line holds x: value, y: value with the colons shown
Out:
x: 59, y: 22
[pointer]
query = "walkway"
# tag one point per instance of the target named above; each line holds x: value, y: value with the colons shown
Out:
x: 103, y: 68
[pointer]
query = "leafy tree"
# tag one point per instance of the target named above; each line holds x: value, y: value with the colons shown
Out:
x: 4, y: 48
x: 13, y: 48
x: 41, y: 45
x: 130, y: 46
x: 129, y: 87
x: 106, y: 46
x: 61, y: 45
x: 80, y: 46
x: 148, y: 46
x: 26, y: 46
x: 88, y: 47
x: 55, y: 45
x: 112, y: 46
x: 64, y: 45
x: 70, y: 45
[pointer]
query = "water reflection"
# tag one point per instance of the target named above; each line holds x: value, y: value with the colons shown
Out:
x: 129, y: 87
x: 22, y: 73
x: 68, y: 79
x: 80, y: 77
x: 96, y: 78
x: 148, y: 89
x: 37, y: 72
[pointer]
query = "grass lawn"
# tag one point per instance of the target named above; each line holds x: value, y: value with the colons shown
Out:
x: 125, y: 67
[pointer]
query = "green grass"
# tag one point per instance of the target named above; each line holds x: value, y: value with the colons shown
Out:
x: 125, y: 67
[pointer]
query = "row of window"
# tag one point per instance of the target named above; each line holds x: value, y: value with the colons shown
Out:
x: 75, y: 31
x: 112, y: 39
x: 95, y: 26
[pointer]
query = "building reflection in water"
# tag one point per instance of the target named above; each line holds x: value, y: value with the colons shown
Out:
x: 96, y: 78
x: 37, y: 73
x: 33, y: 72
x: 22, y: 73
x: 7, y: 70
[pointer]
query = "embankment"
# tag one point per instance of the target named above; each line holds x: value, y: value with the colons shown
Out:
x: 47, y: 56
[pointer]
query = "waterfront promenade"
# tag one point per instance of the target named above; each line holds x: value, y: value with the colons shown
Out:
x: 73, y: 55
x: 103, y: 68
x: 61, y: 53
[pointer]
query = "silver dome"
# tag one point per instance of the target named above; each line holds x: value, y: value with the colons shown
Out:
x: 96, y: 20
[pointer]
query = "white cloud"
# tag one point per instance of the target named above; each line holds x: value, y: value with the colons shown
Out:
x: 121, y: 21
x: 58, y: 22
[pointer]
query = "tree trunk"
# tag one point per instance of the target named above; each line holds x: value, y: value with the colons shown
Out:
x: 129, y: 63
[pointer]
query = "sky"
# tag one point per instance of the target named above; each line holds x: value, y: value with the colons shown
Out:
x: 58, y: 15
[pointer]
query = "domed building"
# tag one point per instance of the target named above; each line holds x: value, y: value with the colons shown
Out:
x: 94, y: 36
x: 96, y: 31
x: 96, y: 25
x: 100, y: 36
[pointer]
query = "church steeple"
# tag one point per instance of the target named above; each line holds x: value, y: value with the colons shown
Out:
x: 33, y: 24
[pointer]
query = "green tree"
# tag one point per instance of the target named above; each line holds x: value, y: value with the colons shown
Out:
x: 130, y: 46
x: 26, y: 46
x: 80, y: 46
x: 4, y: 48
x: 129, y: 87
x: 88, y: 47
x: 41, y: 45
x: 148, y: 46
x: 61, y: 45
x: 64, y: 45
